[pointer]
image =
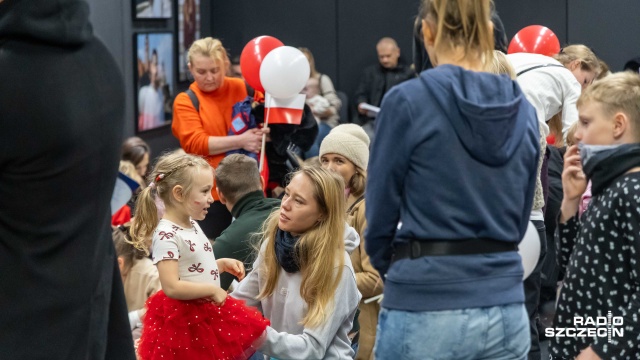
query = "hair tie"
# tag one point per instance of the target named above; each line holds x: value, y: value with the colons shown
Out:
x: 152, y: 185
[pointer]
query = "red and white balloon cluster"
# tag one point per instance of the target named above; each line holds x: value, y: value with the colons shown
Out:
x: 271, y: 67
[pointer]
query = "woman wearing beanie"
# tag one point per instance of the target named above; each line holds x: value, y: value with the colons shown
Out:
x: 346, y: 151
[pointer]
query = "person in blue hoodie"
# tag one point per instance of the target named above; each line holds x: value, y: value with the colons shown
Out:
x: 454, y: 182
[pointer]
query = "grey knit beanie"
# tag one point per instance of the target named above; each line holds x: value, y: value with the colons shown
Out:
x: 350, y: 141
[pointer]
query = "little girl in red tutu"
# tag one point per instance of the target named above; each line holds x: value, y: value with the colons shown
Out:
x: 191, y: 318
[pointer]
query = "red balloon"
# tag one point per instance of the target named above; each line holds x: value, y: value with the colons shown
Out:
x: 252, y: 56
x: 536, y: 39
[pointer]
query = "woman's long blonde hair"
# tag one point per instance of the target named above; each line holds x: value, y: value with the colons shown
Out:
x: 320, y: 250
x: 172, y: 169
x: 461, y: 24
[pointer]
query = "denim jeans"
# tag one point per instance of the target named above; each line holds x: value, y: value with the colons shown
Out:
x: 495, y: 333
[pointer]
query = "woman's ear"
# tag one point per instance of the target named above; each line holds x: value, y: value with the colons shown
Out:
x: 178, y: 193
x: 428, y: 34
x: 574, y: 64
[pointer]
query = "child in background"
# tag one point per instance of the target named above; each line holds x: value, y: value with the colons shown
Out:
x: 139, y: 277
x: 191, y: 317
x: 125, y: 213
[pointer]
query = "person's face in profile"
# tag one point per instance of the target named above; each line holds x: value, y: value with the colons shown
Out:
x: 388, y: 55
x: 207, y: 72
x: 584, y: 77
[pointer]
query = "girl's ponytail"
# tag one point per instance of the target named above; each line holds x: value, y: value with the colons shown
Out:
x: 145, y: 220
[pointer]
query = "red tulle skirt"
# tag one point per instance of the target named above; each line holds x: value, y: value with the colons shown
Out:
x: 199, y: 329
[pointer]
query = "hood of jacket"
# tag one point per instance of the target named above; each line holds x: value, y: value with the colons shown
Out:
x: 57, y: 22
x: 484, y: 113
x: 351, y: 238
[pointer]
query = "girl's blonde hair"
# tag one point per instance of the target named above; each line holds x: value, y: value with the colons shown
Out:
x: 571, y: 134
x: 501, y: 65
x: 209, y: 47
x: 588, y: 60
x: 172, y: 169
x: 320, y: 250
x: 461, y: 24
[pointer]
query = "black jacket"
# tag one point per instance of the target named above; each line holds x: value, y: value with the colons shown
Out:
x: 376, y: 81
x: 61, y: 110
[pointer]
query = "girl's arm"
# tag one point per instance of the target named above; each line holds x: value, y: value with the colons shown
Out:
x: 178, y: 289
x: 249, y: 287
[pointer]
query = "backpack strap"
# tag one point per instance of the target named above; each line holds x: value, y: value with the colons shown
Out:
x: 194, y: 99
x: 355, y: 203
x: 196, y: 103
x: 537, y: 67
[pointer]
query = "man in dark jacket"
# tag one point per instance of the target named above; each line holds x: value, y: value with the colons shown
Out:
x: 239, y: 188
x: 378, y: 79
x: 61, y: 110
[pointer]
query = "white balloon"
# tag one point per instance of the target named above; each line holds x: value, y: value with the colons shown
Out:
x: 284, y: 72
x: 529, y: 250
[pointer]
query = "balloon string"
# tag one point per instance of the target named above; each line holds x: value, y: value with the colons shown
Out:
x: 264, y: 139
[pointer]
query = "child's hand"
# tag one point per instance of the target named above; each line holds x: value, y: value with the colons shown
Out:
x: 574, y: 182
x: 231, y: 266
x: 219, y: 296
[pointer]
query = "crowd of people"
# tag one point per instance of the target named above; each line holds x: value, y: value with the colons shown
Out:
x: 394, y: 236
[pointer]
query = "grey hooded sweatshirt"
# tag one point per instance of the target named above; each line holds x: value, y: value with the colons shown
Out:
x: 286, y: 337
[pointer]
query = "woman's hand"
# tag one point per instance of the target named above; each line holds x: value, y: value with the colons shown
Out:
x: 219, y: 296
x: 574, y: 183
x: 251, y: 140
x: 231, y: 266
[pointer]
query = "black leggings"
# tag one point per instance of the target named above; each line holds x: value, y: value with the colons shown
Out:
x: 218, y: 219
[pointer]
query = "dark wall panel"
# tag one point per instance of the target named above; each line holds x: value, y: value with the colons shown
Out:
x: 516, y: 14
x: 113, y: 24
x: 361, y: 23
x: 610, y: 28
x: 296, y: 23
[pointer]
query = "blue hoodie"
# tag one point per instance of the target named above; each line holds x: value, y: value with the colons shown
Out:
x: 455, y: 157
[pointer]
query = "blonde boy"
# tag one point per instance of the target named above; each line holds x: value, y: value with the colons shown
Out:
x: 601, y: 249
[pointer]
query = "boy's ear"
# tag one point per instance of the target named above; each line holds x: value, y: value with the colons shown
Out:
x: 620, y: 125
x: 178, y: 193
x: 574, y: 64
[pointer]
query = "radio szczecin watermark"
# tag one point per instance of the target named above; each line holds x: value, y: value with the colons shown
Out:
x: 601, y: 326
